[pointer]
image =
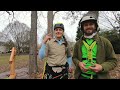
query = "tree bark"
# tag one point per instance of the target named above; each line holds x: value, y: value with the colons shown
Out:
x: 33, y: 46
x: 50, y: 22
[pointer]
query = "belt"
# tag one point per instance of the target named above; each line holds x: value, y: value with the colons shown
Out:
x: 87, y: 58
x: 66, y: 65
x: 56, y: 69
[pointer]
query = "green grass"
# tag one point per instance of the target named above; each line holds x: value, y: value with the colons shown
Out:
x: 20, y: 61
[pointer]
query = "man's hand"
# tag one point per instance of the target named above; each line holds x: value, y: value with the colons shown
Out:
x: 47, y: 37
x: 82, y: 66
x: 96, y: 68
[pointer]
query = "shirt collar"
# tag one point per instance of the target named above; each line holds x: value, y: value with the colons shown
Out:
x: 61, y: 40
x: 94, y: 37
x: 91, y: 36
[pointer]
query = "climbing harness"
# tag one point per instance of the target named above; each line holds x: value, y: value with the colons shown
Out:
x: 90, y: 61
x: 44, y: 69
x: 55, y: 72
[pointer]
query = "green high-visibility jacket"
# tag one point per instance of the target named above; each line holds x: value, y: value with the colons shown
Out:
x: 105, y: 56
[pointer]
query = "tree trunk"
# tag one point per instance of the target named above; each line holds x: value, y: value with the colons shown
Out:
x: 50, y: 22
x: 33, y: 46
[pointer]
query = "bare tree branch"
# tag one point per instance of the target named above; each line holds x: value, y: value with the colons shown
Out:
x: 8, y: 12
x: 54, y: 14
x: 108, y: 20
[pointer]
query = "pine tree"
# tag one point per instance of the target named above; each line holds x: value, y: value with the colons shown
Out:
x: 79, y: 34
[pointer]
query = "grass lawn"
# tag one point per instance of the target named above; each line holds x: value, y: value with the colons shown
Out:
x: 20, y: 61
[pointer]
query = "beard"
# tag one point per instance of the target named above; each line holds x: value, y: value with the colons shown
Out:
x: 89, y: 32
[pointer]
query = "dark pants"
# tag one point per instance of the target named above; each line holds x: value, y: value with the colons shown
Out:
x: 50, y: 74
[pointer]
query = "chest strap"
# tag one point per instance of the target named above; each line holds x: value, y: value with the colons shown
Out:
x: 89, y: 49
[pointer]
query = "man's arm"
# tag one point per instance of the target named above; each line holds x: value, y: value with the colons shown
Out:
x: 111, y: 60
x: 75, y: 55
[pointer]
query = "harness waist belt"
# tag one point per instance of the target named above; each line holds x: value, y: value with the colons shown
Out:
x: 87, y: 58
x: 66, y: 65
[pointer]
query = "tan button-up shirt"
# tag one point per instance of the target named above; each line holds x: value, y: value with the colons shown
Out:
x: 56, y: 53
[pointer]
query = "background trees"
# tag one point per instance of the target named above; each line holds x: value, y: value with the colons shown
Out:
x: 25, y: 35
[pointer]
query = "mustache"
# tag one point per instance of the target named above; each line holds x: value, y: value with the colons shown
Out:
x: 89, y: 28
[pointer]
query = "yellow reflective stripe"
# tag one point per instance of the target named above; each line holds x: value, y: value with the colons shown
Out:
x: 86, y: 45
x: 89, y: 49
x: 92, y: 45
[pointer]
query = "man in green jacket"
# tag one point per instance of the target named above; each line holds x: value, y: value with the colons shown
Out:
x: 93, y: 55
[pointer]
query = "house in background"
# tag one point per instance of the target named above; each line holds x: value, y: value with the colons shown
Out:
x: 2, y: 48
